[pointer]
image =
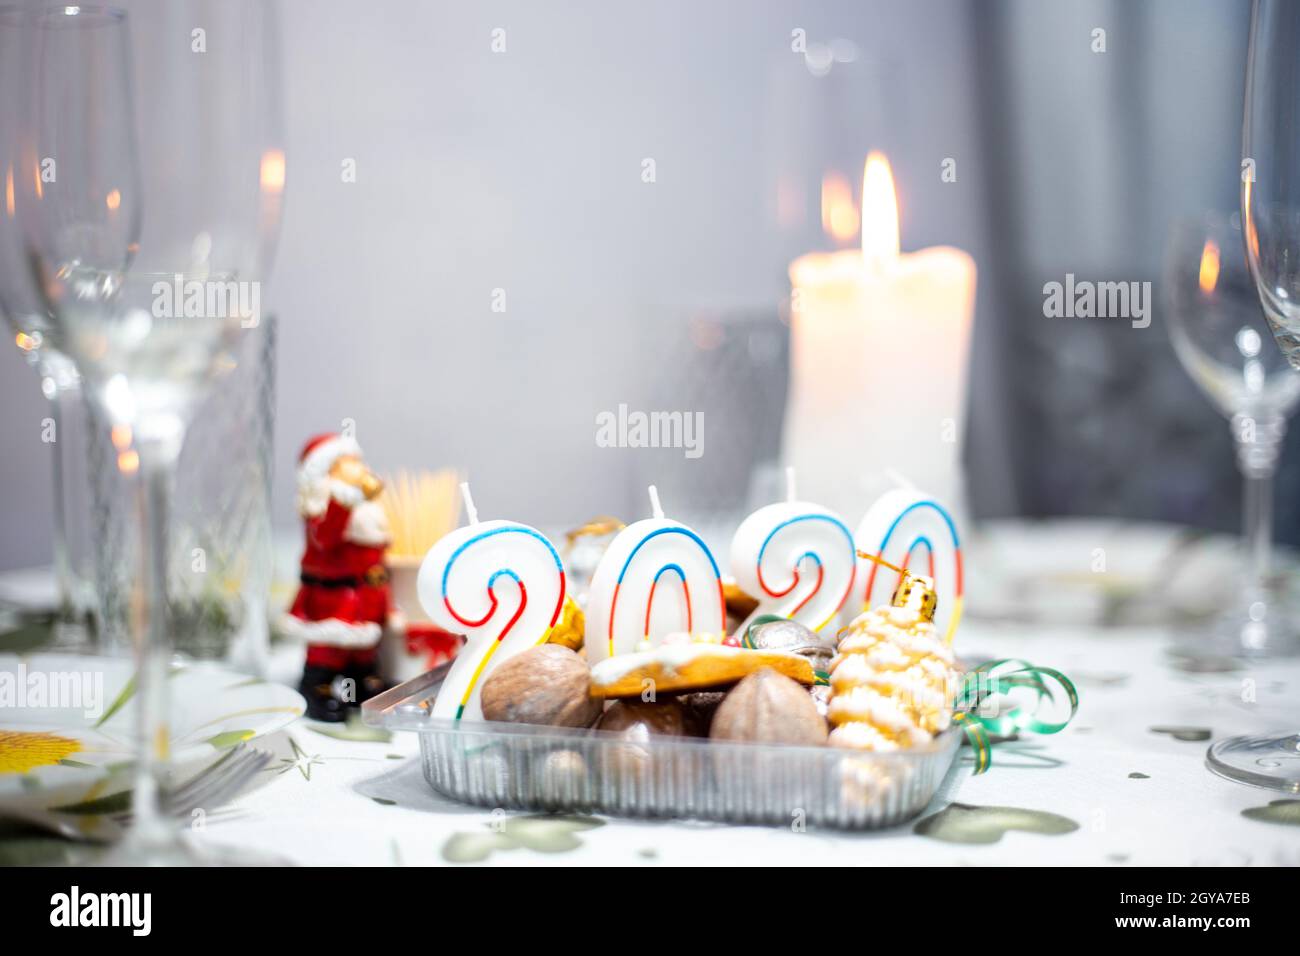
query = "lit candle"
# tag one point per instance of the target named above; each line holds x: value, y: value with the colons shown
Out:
x: 798, y: 559
x: 501, y: 584
x: 656, y: 577
x: 878, y: 349
x: 916, y: 533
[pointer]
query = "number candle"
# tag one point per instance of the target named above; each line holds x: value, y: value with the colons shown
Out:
x: 904, y: 526
x: 657, y: 576
x: 778, y: 544
x: 501, y: 584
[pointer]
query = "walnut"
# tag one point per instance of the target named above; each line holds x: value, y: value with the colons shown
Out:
x: 639, y: 720
x: 700, y: 708
x: 636, y: 721
x: 767, y: 707
x: 548, y: 684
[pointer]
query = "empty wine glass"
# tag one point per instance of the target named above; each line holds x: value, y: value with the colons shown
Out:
x: 150, y: 259
x: 1270, y: 213
x: 1221, y: 337
x: 22, y: 308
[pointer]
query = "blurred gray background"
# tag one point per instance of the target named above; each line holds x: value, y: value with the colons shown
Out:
x: 522, y: 171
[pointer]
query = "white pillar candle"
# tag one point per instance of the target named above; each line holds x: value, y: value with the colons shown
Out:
x: 796, y: 558
x: 878, y: 353
x: 656, y: 577
x: 501, y: 584
x: 915, y: 532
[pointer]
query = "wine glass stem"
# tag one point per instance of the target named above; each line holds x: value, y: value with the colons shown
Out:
x: 1258, y: 512
x: 59, y: 504
x: 152, y: 640
x: 1258, y: 445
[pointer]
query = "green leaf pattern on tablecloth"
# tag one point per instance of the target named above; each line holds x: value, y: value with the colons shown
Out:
x: 961, y: 823
x: 540, y: 833
x: 1286, y: 812
x: 1191, y: 734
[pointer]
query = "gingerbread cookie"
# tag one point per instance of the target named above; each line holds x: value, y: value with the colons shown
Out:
x: 682, y: 664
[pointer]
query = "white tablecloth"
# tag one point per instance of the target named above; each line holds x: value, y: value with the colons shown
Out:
x: 1135, y: 796
x: 329, y: 801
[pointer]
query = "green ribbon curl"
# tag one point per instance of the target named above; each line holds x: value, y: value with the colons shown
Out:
x: 982, y: 682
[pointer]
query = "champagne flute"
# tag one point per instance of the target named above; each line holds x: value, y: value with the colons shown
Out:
x: 22, y: 308
x: 149, y: 320
x: 1270, y: 216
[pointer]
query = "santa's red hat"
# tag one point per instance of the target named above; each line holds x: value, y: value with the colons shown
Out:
x: 314, y: 484
x: 321, y: 452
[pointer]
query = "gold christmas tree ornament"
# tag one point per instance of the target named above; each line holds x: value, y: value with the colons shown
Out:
x: 892, y: 679
x: 914, y: 591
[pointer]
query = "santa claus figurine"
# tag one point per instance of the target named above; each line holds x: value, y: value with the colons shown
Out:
x: 344, y: 601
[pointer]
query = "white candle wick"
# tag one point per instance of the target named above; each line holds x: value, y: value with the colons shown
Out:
x: 789, y: 483
x: 656, y: 508
x: 470, y: 511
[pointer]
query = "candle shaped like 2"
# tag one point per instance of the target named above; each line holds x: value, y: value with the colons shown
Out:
x: 656, y: 577
x: 907, y: 528
x: 458, y: 585
x: 776, y: 551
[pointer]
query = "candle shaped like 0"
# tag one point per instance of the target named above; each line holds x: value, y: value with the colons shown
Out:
x: 458, y: 584
x: 632, y: 601
x: 773, y: 548
x: 902, y: 527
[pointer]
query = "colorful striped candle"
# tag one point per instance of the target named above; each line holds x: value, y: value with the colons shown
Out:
x: 657, y: 576
x: 914, y: 531
x: 502, y: 585
x: 797, y: 559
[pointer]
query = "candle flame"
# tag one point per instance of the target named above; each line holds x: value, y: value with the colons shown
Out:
x: 1209, y: 266
x: 272, y: 173
x: 839, y: 215
x: 879, y: 211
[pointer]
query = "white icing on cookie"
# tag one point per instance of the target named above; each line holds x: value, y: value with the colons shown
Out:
x: 673, y: 655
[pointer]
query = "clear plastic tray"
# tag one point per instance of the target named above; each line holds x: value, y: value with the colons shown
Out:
x: 525, y: 767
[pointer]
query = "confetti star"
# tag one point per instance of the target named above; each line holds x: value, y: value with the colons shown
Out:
x: 301, y: 760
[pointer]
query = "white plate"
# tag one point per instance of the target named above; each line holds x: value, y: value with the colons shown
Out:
x: 76, y: 742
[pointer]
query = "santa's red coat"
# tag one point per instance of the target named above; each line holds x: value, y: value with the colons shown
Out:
x: 344, y: 599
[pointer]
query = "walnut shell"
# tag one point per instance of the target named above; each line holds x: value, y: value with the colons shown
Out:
x: 700, y: 708
x: 639, y: 719
x: 548, y: 684
x: 767, y: 707
x: 636, y: 721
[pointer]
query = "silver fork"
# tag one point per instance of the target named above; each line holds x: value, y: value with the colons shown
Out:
x: 207, y: 789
